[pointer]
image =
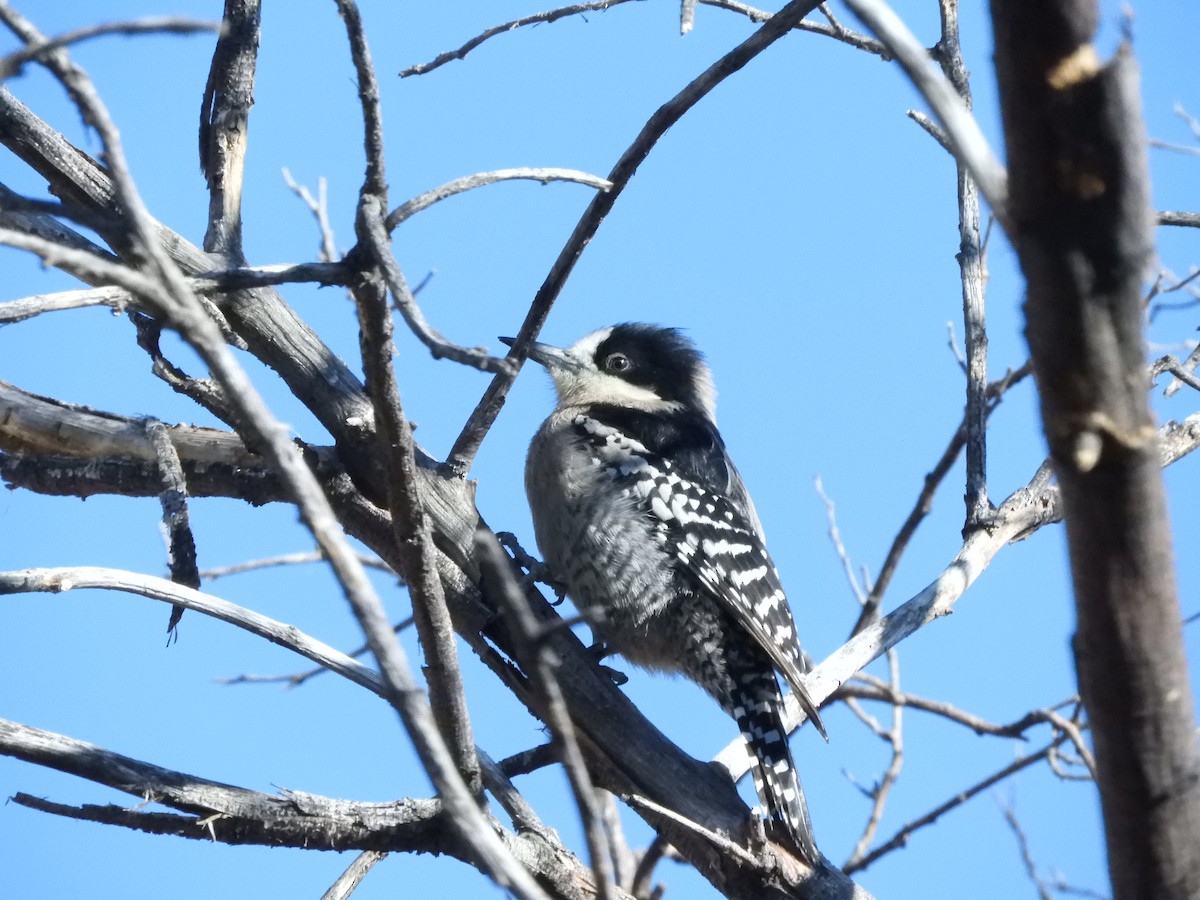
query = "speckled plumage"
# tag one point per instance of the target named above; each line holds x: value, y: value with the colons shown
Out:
x: 642, y: 517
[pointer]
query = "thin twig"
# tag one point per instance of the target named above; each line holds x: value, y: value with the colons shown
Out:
x: 11, y: 64
x: 894, y: 737
x: 833, y: 30
x: 1174, y: 148
x: 901, y: 837
x: 298, y: 678
x: 411, y: 207
x: 930, y: 127
x: 354, y: 874
x: 624, y: 864
x: 551, y: 16
x: 318, y: 206
x: 865, y: 686
x: 1010, y: 816
x: 370, y: 560
x: 836, y: 537
x: 718, y: 840
x: 640, y: 886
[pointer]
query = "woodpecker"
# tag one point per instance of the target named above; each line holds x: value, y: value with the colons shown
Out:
x: 642, y: 517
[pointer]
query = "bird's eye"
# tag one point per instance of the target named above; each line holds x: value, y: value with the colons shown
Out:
x: 617, y: 362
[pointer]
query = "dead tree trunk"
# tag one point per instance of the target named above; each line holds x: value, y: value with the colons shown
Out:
x: 1081, y: 222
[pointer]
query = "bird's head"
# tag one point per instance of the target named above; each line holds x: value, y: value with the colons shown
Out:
x: 635, y: 365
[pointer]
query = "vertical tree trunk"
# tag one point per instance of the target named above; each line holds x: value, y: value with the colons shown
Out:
x: 1082, y: 225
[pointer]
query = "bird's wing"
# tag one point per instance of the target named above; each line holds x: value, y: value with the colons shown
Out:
x: 682, y: 478
x: 726, y: 555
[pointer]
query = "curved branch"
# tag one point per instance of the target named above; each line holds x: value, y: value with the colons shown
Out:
x: 67, y: 578
x: 11, y: 64
x: 832, y: 30
x: 553, y: 15
x: 410, y: 208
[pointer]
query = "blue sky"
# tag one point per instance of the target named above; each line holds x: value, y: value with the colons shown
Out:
x: 800, y: 228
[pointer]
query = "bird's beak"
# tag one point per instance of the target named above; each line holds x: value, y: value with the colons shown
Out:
x: 555, y: 359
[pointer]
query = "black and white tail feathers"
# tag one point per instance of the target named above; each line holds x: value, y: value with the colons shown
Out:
x: 757, y: 706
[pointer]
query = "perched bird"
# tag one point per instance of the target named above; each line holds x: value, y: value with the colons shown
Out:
x: 640, y: 514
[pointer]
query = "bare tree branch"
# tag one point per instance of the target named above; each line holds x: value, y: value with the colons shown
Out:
x: 12, y: 64
x: 499, y: 582
x: 318, y: 206
x: 687, y: 15
x: 971, y: 262
x: 286, y: 559
x: 901, y: 837
x: 485, y: 412
x: 442, y: 58
x: 833, y: 29
x: 27, y: 307
x: 410, y: 208
x: 354, y: 874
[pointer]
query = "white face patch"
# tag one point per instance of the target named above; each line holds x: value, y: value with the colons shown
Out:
x: 586, y: 384
x: 706, y: 393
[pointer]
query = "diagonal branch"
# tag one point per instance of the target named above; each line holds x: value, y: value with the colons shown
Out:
x: 499, y: 581
x: 1026, y: 510
x: 901, y: 837
x: 553, y: 15
x: 485, y: 412
x: 414, y: 543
